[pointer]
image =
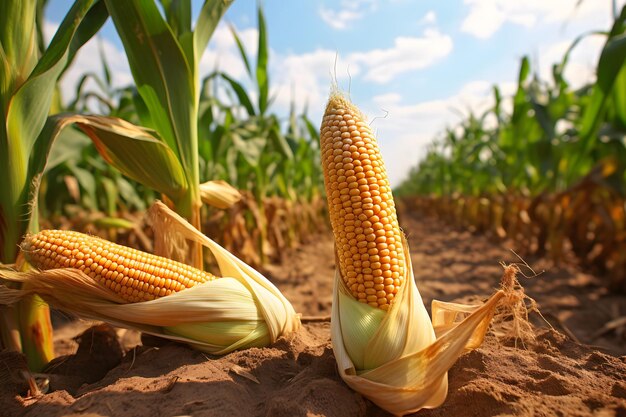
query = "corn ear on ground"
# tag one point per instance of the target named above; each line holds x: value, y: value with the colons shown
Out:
x: 132, y: 274
x: 363, y: 216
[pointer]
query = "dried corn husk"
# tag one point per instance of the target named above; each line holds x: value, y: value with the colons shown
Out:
x: 399, y: 359
x: 240, y: 310
x: 219, y: 194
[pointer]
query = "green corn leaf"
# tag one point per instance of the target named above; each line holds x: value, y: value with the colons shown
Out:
x: 114, y: 223
x: 106, y: 70
x: 141, y: 109
x: 524, y: 71
x: 89, y: 26
x: 178, y: 15
x: 161, y: 71
x: 242, y: 51
x: 261, y: 65
x: 18, y: 42
x: 111, y: 195
x: 611, y: 62
x: 520, y: 98
x: 250, y: 148
x: 619, y: 96
x: 129, y: 194
x: 498, y: 103
x: 241, y: 93
x: 26, y: 109
x: 78, y: 89
x: 208, y: 19
x: 543, y: 118
x: 135, y: 151
x: 232, y: 166
x: 6, y: 79
x: 31, y: 103
x: 313, y: 131
x: 560, y: 68
x: 87, y: 184
x: 68, y: 146
x: 39, y: 24
x: 279, y: 141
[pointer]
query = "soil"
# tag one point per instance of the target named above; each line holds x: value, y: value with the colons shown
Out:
x: 575, y: 367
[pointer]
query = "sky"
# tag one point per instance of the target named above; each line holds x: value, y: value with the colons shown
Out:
x: 414, y: 67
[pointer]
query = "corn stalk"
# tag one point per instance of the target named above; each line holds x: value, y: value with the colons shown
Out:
x: 27, y: 88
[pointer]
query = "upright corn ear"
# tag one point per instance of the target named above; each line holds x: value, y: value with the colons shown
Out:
x: 361, y: 207
x: 385, y: 344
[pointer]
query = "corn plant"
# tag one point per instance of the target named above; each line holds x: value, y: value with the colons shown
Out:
x: 163, y: 51
x: 242, y: 141
x: 28, y: 80
x: 75, y: 175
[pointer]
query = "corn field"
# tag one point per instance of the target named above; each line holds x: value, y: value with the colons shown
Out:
x: 550, y: 175
x: 210, y: 148
x: 184, y: 213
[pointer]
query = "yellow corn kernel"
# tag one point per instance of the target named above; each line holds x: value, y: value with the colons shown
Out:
x: 363, y: 216
x: 132, y: 274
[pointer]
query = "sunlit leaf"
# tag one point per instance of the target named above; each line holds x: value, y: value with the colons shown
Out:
x: 135, y: 151
x: 208, y: 19
x: 261, y: 65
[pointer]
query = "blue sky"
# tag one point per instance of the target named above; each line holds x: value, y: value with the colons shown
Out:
x: 411, y: 64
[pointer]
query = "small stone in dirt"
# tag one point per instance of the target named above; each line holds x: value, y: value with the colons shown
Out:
x: 98, y: 352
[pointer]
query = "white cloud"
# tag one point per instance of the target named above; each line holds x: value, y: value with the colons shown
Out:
x: 305, y: 77
x: 223, y: 54
x: 583, y: 60
x: 348, y: 12
x: 483, y: 21
x: 385, y: 100
x: 429, y: 18
x: 339, y: 19
x: 404, y: 131
x: 486, y: 17
x: 406, y: 54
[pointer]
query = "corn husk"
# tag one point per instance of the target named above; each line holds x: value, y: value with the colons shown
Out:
x: 219, y: 194
x: 399, y: 359
x: 240, y: 310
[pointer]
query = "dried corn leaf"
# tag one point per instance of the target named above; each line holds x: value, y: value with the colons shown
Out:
x: 219, y: 194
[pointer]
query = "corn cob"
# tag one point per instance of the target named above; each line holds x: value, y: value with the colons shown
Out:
x: 363, y: 217
x: 132, y: 274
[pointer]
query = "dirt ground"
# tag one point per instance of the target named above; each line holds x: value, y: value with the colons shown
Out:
x: 575, y: 368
